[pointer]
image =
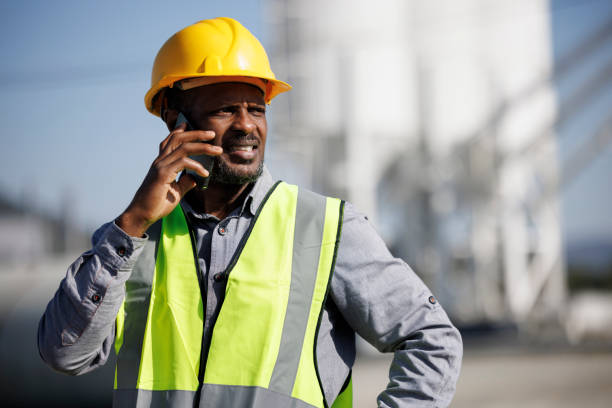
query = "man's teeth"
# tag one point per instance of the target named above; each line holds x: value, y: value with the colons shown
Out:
x: 244, y: 148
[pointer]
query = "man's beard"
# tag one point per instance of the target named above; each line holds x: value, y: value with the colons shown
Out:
x: 223, y: 174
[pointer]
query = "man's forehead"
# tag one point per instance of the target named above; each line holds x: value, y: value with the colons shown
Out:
x: 226, y: 92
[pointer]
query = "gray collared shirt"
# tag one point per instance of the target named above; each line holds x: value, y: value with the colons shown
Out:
x: 372, y: 293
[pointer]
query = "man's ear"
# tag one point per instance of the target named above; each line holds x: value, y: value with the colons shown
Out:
x: 169, y: 116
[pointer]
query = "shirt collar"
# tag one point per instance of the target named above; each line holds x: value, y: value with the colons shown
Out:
x: 258, y: 192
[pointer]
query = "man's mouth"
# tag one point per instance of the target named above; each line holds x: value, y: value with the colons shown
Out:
x: 242, y: 152
x: 243, y: 148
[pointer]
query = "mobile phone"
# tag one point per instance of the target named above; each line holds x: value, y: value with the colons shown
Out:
x: 204, y: 160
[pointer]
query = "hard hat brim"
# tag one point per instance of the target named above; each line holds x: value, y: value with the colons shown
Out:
x: 274, y: 87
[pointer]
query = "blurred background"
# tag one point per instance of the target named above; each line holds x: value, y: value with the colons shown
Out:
x: 475, y: 134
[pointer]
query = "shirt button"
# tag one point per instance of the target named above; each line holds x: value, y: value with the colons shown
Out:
x: 95, y: 298
x: 121, y: 251
x: 222, y: 230
x: 219, y: 277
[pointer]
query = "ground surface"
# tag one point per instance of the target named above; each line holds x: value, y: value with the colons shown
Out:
x: 511, y: 378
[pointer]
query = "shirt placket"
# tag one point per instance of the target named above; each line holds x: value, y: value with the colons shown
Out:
x: 220, y: 253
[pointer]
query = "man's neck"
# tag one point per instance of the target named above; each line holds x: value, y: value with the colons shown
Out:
x: 218, y: 199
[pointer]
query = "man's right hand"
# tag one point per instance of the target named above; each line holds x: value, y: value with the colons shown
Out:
x: 160, y: 192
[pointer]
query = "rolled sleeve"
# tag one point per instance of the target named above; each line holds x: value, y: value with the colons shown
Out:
x: 76, y: 332
x: 388, y: 305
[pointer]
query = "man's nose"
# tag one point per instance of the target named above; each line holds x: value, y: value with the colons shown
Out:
x: 244, y: 121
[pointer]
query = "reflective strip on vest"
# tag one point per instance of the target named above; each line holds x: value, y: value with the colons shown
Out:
x: 262, y: 351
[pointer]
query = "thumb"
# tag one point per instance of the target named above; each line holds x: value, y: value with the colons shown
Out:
x: 185, y: 183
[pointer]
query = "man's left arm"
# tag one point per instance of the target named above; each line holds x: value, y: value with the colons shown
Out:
x: 388, y: 305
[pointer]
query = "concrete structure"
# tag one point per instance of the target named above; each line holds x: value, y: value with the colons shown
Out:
x: 438, y: 120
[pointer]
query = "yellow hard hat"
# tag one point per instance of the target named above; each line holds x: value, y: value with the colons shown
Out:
x: 212, y: 51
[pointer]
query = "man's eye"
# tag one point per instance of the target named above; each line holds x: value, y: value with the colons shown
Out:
x: 224, y: 111
x: 257, y: 110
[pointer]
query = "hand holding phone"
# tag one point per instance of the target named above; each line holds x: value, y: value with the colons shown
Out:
x: 203, y: 159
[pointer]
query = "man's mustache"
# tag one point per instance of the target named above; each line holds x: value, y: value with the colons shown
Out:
x: 240, y: 138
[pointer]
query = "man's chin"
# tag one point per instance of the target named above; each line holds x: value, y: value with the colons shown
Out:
x: 222, y: 173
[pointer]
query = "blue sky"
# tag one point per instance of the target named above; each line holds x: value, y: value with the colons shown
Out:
x: 73, y: 78
x: 72, y: 81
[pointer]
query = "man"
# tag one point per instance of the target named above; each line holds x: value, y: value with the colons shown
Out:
x: 246, y: 293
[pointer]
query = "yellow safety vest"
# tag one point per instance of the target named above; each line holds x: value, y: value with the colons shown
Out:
x: 262, y: 351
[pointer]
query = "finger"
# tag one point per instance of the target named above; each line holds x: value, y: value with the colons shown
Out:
x: 187, y: 163
x: 196, y: 148
x: 189, y: 149
x: 164, y: 143
x: 178, y: 138
x: 185, y: 183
